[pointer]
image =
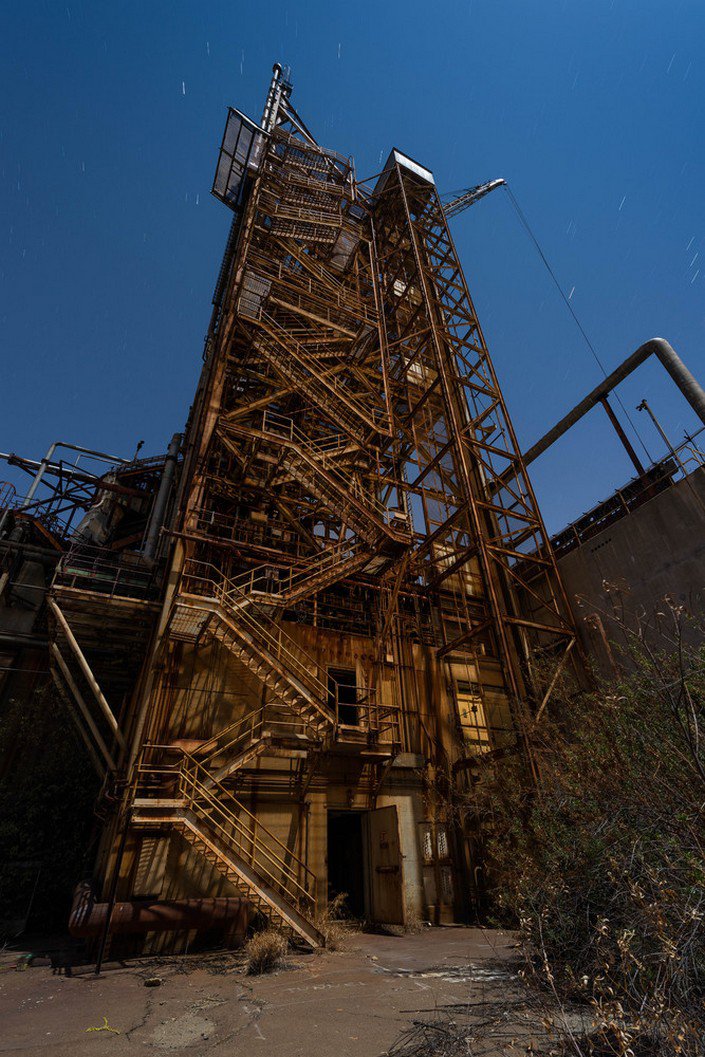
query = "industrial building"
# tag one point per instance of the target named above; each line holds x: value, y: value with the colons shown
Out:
x: 291, y: 644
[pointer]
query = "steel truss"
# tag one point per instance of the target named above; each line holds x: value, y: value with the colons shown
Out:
x: 349, y: 459
x: 480, y: 522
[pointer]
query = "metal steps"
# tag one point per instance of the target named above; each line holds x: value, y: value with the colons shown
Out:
x: 264, y: 900
x: 355, y: 510
x: 333, y: 399
x: 316, y: 466
x: 270, y: 729
x: 273, y: 879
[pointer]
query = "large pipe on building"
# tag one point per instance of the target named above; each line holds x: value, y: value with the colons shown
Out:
x: 138, y: 916
x: 156, y: 519
x: 659, y: 347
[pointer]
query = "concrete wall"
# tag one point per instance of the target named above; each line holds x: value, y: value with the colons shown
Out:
x: 624, y: 573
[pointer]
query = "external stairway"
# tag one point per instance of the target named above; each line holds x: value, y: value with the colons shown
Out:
x: 326, y: 391
x: 303, y: 712
x: 317, y: 466
x: 184, y: 796
x: 246, y: 627
x: 240, y: 614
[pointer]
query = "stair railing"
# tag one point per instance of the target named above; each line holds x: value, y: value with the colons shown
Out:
x: 236, y: 828
x: 248, y: 731
x: 372, y: 717
x: 278, y: 584
x: 205, y: 580
x: 281, y: 426
x: 289, y: 349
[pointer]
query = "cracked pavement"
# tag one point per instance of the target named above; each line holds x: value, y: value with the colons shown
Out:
x: 347, y: 1003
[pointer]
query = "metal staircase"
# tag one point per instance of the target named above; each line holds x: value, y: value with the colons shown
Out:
x: 272, y: 730
x: 247, y: 629
x: 331, y: 376
x: 183, y: 795
x: 316, y: 465
x: 285, y: 585
x: 327, y: 391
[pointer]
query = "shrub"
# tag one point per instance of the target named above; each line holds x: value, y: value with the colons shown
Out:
x: 603, y: 865
x: 265, y: 952
x: 334, y: 923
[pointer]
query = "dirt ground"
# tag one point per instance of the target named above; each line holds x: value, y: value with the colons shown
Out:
x: 353, y: 1003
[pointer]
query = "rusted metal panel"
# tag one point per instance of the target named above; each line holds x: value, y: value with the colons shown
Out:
x: 386, y: 870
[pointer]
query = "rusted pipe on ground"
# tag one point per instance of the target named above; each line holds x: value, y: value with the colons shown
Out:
x: 138, y: 916
x: 659, y: 347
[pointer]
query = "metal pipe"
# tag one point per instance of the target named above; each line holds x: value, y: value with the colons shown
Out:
x: 86, y: 669
x: 659, y: 347
x: 271, y: 106
x: 158, y: 510
x: 40, y: 473
x: 688, y: 385
x: 101, y: 455
x: 90, y: 749
x: 17, y: 638
x: 146, y: 915
x: 643, y: 406
x: 47, y: 555
x: 626, y: 444
x: 45, y: 462
x: 85, y: 711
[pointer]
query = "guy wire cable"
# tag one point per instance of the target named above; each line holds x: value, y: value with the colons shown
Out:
x: 532, y: 236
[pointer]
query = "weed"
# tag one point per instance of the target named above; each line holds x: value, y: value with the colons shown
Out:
x: 265, y: 952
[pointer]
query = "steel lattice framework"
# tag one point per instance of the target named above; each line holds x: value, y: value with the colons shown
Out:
x: 351, y: 430
x: 480, y: 516
x: 350, y: 466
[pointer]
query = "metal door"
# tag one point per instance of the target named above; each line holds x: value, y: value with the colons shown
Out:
x: 386, y: 875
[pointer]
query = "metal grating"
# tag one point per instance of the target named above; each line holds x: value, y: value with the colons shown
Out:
x: 240, y: 153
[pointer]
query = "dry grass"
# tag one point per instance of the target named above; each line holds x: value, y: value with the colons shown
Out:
x: 604, y: 868
x: 332, y: 922
x: 265, y: 952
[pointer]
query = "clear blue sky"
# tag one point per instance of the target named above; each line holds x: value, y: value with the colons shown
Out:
x: 111, y: 115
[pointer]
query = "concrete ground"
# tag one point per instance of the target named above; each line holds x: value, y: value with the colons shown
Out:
x: 352, y: 1003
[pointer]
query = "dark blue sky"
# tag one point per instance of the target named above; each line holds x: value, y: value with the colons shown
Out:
x: 110, y: 123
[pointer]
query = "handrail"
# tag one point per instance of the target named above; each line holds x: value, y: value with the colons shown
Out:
x: 274, y: 868
x: 284, y: 648
x: 281, y: 582
x: 282, y: 645
x: 309, y: 214
x: 309, y: 449
x: 252, y: 719
x: 325, y: 445
x: 297, y: 353
x: 249, y: 728
x: 105, y: 572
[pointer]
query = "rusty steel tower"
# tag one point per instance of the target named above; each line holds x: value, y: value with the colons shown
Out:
x: 361, y: 603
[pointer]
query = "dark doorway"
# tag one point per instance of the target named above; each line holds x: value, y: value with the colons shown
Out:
x: 342, y: 685
x: 346, y: 871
